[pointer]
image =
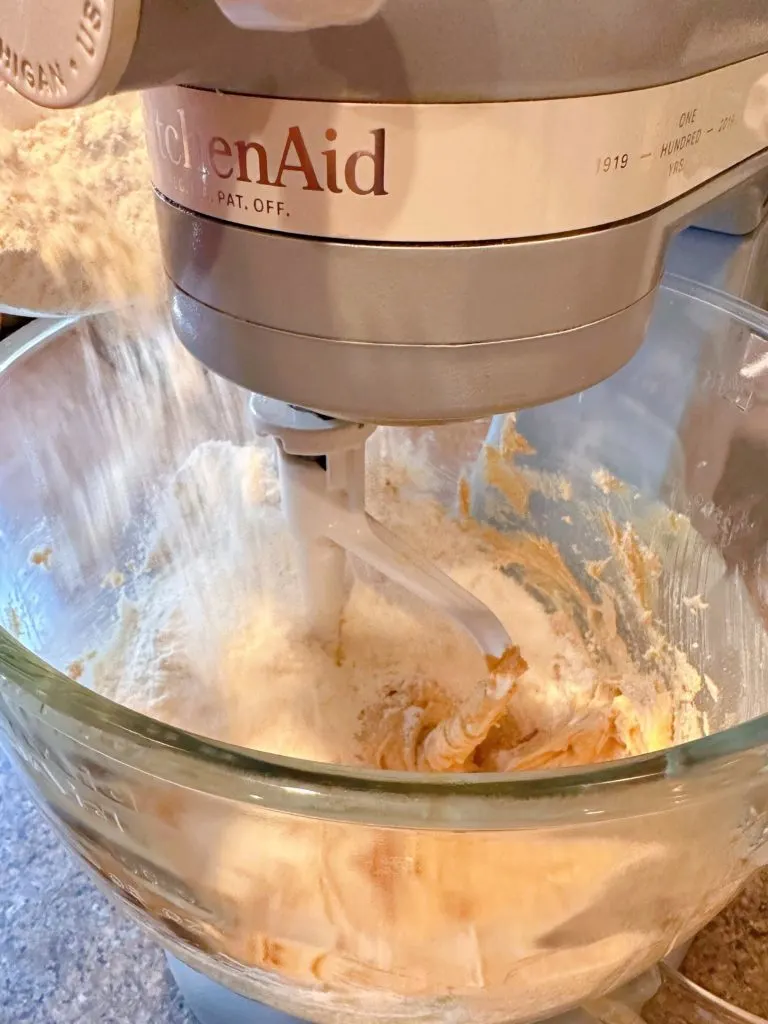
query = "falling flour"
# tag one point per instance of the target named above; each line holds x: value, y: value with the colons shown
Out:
x: 215, y: 641
x: 78, y: 225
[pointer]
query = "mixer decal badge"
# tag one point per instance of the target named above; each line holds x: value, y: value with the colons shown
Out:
x: 450, y: 172
x: 293, y: 163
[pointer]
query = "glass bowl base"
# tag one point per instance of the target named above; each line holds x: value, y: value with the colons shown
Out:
x: 212, y: 1003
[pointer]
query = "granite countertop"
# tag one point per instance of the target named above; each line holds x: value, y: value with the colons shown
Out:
x: 66, y: 955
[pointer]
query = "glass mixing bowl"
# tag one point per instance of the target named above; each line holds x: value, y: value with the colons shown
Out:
x: 351, y: 896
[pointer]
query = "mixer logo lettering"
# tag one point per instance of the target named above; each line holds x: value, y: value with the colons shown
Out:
x: 361, y: 171
x: 45, y: 80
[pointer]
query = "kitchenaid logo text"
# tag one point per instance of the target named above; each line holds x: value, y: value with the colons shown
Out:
x: 292, y: 162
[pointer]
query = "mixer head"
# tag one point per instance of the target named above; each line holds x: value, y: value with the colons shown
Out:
x: 447, y: 211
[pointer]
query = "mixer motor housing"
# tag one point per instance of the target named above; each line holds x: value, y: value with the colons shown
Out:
x: 445, y: 211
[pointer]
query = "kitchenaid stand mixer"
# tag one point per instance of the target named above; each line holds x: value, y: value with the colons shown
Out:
x: 443, y: 212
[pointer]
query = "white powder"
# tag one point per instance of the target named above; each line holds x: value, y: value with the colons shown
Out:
x: 215, y: 641
x: 78, y: 226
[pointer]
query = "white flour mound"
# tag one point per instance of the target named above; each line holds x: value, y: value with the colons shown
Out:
x: 78, y: 225
x: 215, y: 641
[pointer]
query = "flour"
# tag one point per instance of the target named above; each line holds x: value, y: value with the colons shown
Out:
x: 78, y: 226
x: 215, y: 641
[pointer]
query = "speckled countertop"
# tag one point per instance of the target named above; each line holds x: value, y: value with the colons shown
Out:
x: 66, y: 955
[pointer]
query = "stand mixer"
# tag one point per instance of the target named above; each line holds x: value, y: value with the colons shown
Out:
x: 421, y: 217
x: 430, y: 213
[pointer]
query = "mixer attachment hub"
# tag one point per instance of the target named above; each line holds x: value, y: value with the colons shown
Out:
x: 303, y: 432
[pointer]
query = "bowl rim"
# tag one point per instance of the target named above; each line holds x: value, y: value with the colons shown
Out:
x: 353, y: 793
x: 705, y: 996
